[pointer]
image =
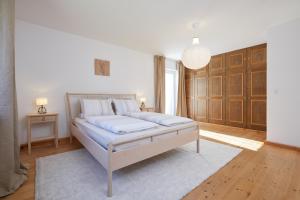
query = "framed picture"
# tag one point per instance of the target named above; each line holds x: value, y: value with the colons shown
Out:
x: 102, y: 67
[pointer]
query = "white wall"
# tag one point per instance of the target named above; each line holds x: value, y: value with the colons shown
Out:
x: 50, y: 63
x: 284, y: 84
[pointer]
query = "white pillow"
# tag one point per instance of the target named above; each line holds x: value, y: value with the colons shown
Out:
x: 120, y: 106
x: 90, y: 107
x: 106, y: 107
x: 132, y: 106
x: 123, y: 106
x: 96, y: 107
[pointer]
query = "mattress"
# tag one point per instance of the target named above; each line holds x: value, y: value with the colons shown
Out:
x: 123, y: 142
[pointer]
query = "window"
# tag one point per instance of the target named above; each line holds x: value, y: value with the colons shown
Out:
x: 171, y: 84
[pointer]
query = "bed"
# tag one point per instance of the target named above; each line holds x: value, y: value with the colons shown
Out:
x: 113, y: 151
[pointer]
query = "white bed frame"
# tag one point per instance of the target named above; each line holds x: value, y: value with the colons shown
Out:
x: 114, y: 160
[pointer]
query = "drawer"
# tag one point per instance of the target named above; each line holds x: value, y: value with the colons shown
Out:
x: 147, y: 109
x: 37, y: 119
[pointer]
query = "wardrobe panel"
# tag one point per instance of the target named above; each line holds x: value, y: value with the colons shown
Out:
x: 216, y: 110
x: 235, y: 84
x: 216, y: 90
x: 258, y: 83
x: 201, y: 94
x: 236, y: 66
x: 236, y: 111
x: 216, y: 83
x: 236, y: 59
x: 257, y: 87
x: 200, y: 109
x: 258, y: 114
x: 201, y: 86
x: 189, y: 88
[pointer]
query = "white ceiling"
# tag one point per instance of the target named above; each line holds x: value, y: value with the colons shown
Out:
x: 162, y: 26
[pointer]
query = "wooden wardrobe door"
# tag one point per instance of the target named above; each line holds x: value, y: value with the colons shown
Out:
x: 236, y: 65
x: 216, y: 90
x: 257, y: 87
x: 189, y: 87
x: 201, y: 96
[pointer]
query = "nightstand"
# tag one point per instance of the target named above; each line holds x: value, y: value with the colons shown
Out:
x: 51, y: 118
x: 147, y: 109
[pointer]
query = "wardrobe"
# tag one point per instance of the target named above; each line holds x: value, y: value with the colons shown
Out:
x: 231, y: 89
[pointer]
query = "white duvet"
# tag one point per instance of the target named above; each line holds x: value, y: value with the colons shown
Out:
x: 120, y: 124
x: 166, y: 120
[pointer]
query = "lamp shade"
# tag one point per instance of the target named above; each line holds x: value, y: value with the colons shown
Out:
x: 143, y: 99
x: 41, y: 101
x: 196, y: 57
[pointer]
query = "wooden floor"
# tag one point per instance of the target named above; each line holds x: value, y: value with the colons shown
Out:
x: 268, y: 173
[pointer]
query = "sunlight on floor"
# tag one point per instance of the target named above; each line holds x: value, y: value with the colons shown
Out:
x: 233, y: 140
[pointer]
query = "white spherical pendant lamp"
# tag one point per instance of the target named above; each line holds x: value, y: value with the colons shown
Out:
x: 196, y: 57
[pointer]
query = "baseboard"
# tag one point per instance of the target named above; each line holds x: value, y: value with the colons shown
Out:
x: 47, y: 142
x: 283, y: 145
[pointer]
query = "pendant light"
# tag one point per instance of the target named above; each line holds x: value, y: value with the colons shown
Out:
x: 195, y: 57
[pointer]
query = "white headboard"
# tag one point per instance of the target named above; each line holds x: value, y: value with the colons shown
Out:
x: 73, y: 101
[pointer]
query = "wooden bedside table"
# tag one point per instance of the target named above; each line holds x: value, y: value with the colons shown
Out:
x: 147, y: 109
x: 39, y: 119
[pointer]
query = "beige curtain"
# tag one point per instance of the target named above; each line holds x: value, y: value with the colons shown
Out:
x: 181, y: 100
x: 12, y: 173
x: 159, y: 83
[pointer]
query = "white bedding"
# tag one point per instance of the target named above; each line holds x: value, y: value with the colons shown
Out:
x: 104, y: 138
x: 166, y: 120
x: 120, y: 124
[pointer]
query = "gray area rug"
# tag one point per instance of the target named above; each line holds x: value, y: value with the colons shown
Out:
x: 77, y: 175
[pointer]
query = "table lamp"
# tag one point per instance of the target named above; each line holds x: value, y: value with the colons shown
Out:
x: 143, y: 100
x: 41, y: 102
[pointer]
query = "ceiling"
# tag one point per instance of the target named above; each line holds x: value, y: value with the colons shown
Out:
x: 163, y: 26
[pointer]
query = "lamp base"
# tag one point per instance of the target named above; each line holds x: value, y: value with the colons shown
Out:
x: 142, y: 106
x: 42, y: 110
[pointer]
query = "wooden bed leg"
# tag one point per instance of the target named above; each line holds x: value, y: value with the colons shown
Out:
x: 109, y: 183
x: 71, y: 136
x: 109, y: 172
x: 198, y: 145
x: 198, y: 142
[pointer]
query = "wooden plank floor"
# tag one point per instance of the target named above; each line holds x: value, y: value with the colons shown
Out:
x: 269, y: 173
